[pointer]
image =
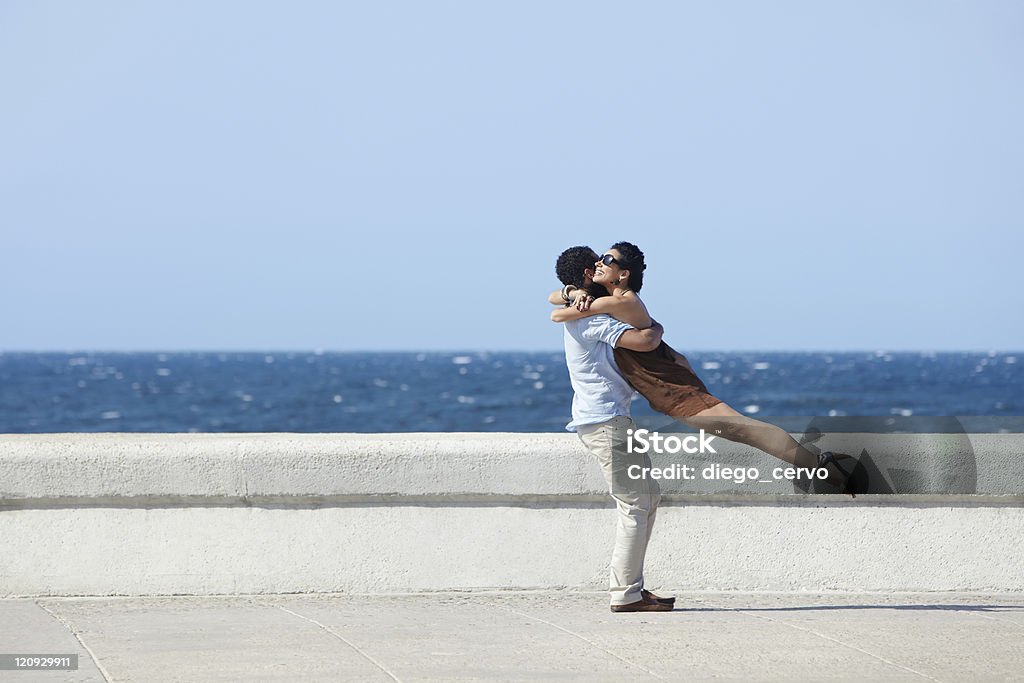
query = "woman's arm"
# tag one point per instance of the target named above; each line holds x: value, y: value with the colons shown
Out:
x: 555, y: 297
x: 629, y: 310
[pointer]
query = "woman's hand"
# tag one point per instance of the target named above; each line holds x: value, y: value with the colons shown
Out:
x: 583, y: 301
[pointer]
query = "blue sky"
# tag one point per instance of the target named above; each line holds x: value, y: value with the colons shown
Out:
x: 238, y: 175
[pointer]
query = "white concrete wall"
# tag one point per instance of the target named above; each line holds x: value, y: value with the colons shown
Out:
x: 133, y: 514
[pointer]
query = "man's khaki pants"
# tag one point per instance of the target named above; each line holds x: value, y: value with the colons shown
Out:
x: 637, y: 500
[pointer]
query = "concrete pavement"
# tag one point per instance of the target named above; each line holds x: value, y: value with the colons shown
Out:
x: 528, y: 636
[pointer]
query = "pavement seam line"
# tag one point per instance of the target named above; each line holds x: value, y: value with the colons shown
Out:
x: 345, y: 640
x: 839, y: 642
x: 585, y: 640
x: 92, y: 655
x: 993, y: 618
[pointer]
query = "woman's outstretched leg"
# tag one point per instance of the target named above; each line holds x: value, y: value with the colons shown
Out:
x: 725, y: 422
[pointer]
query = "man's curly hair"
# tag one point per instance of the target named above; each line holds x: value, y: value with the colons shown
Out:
x: 572, y: 263
x: 633, y: 261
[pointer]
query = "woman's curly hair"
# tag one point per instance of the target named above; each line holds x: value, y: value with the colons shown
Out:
x: 633, y: 261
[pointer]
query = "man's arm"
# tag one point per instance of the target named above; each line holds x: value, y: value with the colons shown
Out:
x: 641, y: 340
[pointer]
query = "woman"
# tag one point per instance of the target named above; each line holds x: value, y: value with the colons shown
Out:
x: 664, y: 376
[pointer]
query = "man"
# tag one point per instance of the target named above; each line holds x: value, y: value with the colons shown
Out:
x: 600, y: 417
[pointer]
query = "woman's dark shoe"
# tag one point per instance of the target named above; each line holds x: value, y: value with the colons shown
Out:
x: 826, y: 458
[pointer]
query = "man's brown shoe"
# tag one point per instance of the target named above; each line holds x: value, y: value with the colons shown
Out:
x: 642, y: 606
x: 651, y: 597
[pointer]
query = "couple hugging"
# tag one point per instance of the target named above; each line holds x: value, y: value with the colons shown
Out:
x: 613, y: 347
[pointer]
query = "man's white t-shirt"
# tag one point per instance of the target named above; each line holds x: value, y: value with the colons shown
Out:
x: 600, y: 391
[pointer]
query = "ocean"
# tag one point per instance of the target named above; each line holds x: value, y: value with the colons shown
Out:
x: 463, y: 391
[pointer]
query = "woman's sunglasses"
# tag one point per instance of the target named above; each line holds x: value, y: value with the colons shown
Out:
x: 608, y: 259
